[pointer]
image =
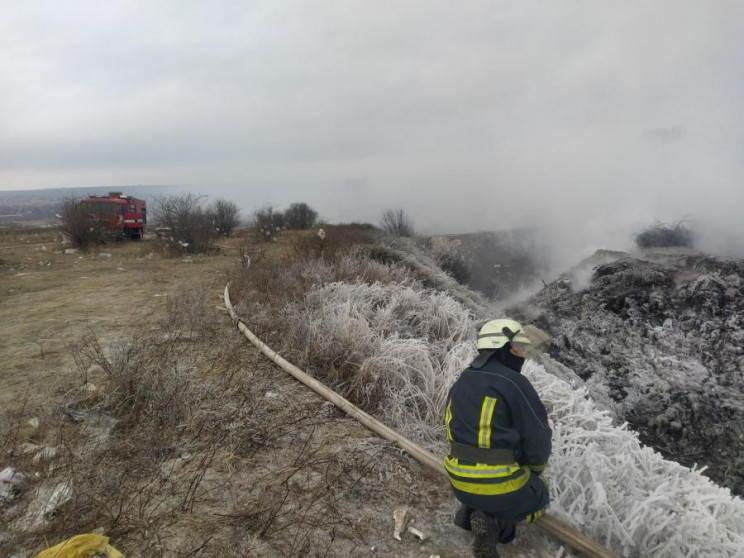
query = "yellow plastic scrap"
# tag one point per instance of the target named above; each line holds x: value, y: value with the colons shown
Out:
x: 82, y: 546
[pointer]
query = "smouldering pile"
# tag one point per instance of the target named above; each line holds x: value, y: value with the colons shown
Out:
x: 626, y: 495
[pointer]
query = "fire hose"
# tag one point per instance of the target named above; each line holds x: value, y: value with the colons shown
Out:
x: 548, y: 523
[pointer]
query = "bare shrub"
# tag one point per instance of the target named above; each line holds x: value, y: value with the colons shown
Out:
x: 300, y: 216
x: 332, y: 241
x: 186, y: 222
x: 187, y: 313
x: 78, y: 225
x: 662, y: 235
x: 447, y: 253
x: 225, y: 216
x: 266, y: 224
x: 397, y: 222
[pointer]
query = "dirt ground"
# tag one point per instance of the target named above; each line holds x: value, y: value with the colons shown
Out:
x: 303, y: 480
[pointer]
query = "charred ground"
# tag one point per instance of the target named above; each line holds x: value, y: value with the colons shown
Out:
x: 659, y: 336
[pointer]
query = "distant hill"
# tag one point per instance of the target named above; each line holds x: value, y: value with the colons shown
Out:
x: 20, y: 207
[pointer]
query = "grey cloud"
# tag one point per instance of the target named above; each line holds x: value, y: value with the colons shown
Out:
x: 587, y: 119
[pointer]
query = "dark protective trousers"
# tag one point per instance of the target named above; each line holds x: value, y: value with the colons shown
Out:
x: 510, y: 508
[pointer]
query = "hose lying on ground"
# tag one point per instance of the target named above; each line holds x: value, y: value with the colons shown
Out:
x: 551, y: 525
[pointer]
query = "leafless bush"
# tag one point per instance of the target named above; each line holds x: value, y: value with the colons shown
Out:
x: 186, y: 222
x: 266, y: 224
x: 449, y: 257
x: 397, y: 222
x: 331, y: 241
x: 663, y: 235
x: 225, y: 216
x: 187, y: 314
x: 77, y: 224
x: 300, y: 216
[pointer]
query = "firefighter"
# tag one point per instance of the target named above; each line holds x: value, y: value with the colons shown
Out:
x: 499, y: 439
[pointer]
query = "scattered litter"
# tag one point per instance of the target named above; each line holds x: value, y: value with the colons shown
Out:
x: 84, y: 277
x: 74, y: 414
x: 82, y: 545
x: 98, y: 426
x: 104, y: 254
x: 10, y: 480
x: 70, y: 251
x: 45, y: 263
x: 20, y: 275
x: 46, y: 453
x: 420, y: 535
x: 90, y: 387
x: 401, y: 517
x: 271, y: 395
x: 34, y: 422
x: 188, y: 260
x: 120, y: 269
x: 27, y: 447
x: 48, y: 500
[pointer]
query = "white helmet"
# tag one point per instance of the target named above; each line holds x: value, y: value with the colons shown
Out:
x: 497, y: 333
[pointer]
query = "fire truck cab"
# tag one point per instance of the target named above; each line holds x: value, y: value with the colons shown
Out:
x: 117, y: 215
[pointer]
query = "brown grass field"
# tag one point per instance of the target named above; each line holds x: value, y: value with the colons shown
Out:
x: 124, y: 379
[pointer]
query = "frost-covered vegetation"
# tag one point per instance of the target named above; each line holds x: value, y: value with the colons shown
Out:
x: 624, y: 494
x: 382, y: 325
x: 662, y: 235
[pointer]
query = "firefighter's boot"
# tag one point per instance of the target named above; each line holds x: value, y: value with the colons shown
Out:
x: 462, y: 517
x: 487, y: 533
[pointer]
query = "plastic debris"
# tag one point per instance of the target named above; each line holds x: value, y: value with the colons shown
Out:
x: 420, y: 535
x: 27, y: 447
x: 46, y: 453
x: 48, y: 500
x: 34, y: 422
x: 82, y: 546
x: 401, y: 517
x: 104, y: 254
x: 10, y: 480
x: 70, y: 251
x: 98, y: 426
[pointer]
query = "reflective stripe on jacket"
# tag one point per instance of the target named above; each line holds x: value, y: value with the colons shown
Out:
x: 496, y: 407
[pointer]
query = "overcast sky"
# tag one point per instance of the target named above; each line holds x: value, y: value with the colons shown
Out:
x: 589, y: 117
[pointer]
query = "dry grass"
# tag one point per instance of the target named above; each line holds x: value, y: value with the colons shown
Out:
x: 174, y: 437
x: 376, y: 319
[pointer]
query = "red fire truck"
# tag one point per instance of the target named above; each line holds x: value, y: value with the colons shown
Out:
x: 117, y: 215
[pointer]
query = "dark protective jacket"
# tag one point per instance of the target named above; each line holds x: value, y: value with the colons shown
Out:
x: 496, y: 407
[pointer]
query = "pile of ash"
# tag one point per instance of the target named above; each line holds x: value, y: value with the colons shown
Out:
x: 661, y: 340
